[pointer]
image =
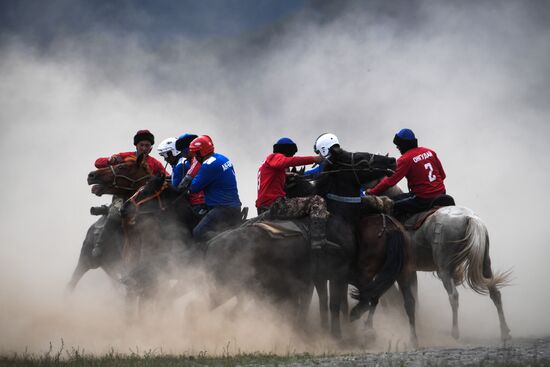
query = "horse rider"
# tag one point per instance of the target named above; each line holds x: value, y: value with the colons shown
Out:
x: 175, y: 151
x: 216, y: 177
x: 424, y: 172
x: 272, y: 173
x: 272, y: 196
x: 143, y: 141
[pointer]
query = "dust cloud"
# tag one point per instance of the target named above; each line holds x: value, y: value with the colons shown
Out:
x: 472, y: 79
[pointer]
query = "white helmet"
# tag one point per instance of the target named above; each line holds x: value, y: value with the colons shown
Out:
x: 324, y: 143
x: 168, y: 145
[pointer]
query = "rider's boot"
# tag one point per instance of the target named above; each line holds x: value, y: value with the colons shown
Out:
x: 99, y: 210
x: 318, y: 235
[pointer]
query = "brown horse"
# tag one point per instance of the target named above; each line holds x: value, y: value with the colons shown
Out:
x: 123, y: 180
x: 382, y: 240
x: 383, y: 256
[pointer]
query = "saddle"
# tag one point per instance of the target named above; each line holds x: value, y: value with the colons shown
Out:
x: 280, y: 229
x: 417, y: 220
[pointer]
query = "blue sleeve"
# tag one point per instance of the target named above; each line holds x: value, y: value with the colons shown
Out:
x: 207, y: 173
x: 314, y: 172
x: 186, y: 165
x: 177, y: 174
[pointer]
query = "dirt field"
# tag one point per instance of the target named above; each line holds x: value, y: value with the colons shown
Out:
x: 520, y: 352
x: 525, y: 351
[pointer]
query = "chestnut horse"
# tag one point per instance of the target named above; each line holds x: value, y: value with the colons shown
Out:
x: 122, y: 179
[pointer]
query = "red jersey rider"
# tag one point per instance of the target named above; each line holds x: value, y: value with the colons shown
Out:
x: 143, y: 140
x: 424, y: 174
x: 272, y: 172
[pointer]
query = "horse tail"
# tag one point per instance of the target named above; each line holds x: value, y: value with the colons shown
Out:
x: 472, y: 262
x: 391, y: 269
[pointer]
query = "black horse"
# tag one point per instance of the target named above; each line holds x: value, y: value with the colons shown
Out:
x: 382, y: 253
x: 284, y: 267
x: 158, y: 244
x: 122, y: 180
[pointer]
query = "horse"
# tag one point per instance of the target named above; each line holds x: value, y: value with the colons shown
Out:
x: 383, y: 256
x: 453, y: 242
x: 121, y: 179
x: 157, y: 241
x: 238, y: 261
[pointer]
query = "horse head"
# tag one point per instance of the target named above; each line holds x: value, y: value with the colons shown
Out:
x: 350, y: 171
x: 121, y: 179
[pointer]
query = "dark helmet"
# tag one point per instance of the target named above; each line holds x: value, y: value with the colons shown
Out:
x: 144, y: 135
x: 285, y: 146
x: 182, y: 143
x: 405, y: 140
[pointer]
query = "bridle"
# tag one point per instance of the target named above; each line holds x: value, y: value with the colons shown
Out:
x: 132, y: 181
x: 138, y: 203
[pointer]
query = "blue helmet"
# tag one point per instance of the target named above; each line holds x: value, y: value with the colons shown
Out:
x: 182, y: 144
x: 285, y: 146
x: 405, y: 140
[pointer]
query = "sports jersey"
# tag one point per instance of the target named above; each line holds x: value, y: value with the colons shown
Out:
x: 216, y: 177
x: 424, y: 174
x: 272, y: 176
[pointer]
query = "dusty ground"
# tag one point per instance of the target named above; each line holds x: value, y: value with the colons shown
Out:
x: 523, y: 351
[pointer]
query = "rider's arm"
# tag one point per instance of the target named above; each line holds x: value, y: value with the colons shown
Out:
x: 314, y: 172
x: 104, y: 161
x: 177, y: 174
x: 204, y: 177
x: 280, y: 161
x: 403, y: 165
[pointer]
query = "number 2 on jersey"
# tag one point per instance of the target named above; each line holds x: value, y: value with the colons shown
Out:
x: 431, y: 175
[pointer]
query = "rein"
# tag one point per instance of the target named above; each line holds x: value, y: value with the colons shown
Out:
x: 139, y: 203
x: 132, y: 181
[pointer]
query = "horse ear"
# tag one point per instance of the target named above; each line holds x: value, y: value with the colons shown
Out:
x: 387, y: 154
x: 293, y: 169
x: 302, y: 171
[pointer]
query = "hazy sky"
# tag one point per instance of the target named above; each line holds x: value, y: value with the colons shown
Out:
x: 78, y: 78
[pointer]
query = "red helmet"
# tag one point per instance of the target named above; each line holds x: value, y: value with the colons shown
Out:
x: 202, y: 145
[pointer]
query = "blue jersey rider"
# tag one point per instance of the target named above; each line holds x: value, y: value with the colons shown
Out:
x: 216, y: 177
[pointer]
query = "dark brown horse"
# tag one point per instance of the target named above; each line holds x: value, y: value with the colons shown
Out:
x: 123, y: 180
x: 157, y: 243
x: 383, y: 255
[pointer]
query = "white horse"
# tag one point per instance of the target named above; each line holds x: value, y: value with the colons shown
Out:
x: 454, y: 243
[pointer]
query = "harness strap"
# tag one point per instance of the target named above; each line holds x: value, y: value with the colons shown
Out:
x: 345, y: 199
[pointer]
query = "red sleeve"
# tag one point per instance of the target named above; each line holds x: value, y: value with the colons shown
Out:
x: 104, y: 161
x: 280, y: 161
x: 403, y: 165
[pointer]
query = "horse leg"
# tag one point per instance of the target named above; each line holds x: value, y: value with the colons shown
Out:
x: 345, y: 305
x: 409, y: 291
x: 450, y: 287
x: 337, y: 291
x: 321, y: 287
x: 494, y: 293
x: 78, y: 273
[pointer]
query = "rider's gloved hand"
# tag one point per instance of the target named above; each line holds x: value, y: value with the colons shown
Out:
x: 115, y: 159
x: 184, y: 184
